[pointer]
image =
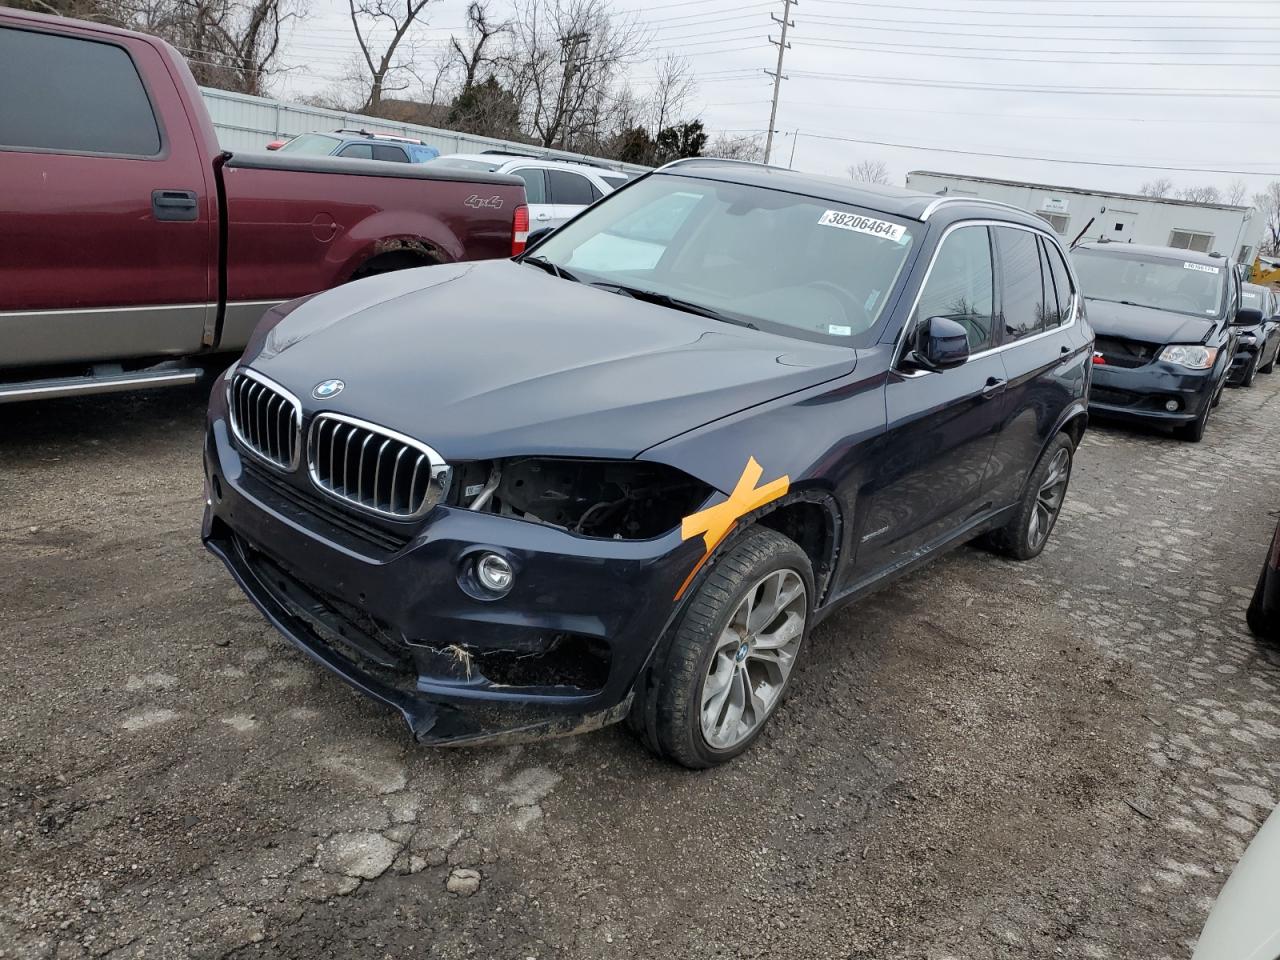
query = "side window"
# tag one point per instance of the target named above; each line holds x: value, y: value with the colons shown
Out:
x: 1022, y: 287
x: 1056, y: 302
x: 1061, y: 281
x: 64, y: 93
x: 595, y: 192
x: 535, y: 184
x: 960, y: 285
x: 569, y: 188
x: 357, y: 151
x: 393, y: 154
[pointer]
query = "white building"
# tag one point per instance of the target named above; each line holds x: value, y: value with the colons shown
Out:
x: 1119, y: 217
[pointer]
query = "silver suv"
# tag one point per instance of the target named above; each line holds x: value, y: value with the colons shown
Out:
x: 557, y: 190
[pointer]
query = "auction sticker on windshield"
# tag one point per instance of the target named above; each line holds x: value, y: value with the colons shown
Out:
x: 860, y: 224
x: 1203, y: 268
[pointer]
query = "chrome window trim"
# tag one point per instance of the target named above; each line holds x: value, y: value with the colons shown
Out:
x: 242, y: 441
x: 440, y: 469
x: 900, y: 347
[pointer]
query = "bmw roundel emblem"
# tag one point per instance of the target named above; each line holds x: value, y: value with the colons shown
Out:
x: 327, y: 388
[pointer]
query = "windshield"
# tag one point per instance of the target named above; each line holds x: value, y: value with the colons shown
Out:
x: 1251, y: 299
x: 1178, y: 286
x: 789, y: 264
x: 457, y: 163
x: 312, y: 143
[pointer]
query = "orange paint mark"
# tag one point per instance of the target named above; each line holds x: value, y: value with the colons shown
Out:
x: 714, y: 523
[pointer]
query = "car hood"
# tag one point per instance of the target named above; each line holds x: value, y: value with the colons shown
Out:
x: 495, y: 359
x: 1143, y: 323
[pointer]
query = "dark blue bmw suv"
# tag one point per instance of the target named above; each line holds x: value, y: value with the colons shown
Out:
x: 624, y: 474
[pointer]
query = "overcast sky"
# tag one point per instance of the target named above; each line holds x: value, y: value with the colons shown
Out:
x: 1173, y: 83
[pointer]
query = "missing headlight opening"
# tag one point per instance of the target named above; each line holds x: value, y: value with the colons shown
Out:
x: 614, y: 499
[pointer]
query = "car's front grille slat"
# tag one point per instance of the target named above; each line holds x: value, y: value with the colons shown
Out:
x: 266, y: 419
x: 367, y: 466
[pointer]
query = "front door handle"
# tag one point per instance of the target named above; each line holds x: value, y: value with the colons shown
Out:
x: 994, y: 387
x: 174, y: 205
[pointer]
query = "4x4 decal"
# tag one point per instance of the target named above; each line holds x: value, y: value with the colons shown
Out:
x: 488, y: 203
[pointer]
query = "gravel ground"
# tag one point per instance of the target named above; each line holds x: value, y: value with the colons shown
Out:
x: 986, y: 760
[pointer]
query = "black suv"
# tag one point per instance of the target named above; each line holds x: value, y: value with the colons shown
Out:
x: 624, y: 474
x: 1259, y: 339
x: 1166, y: 339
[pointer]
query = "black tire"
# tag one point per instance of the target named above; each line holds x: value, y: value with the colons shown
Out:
x: 1250, y: 372
x: 1261, y: 624
x: 1015, y: 539
x: 667, y: 710
x: 1193, y: 432
x: 1271, y: 365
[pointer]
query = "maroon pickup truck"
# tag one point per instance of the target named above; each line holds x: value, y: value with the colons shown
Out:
x: 131, y: 243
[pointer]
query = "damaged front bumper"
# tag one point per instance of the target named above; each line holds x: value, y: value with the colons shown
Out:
x: 558, y: 655
x: 1145, y: 393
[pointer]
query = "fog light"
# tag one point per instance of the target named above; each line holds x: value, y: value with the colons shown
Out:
x: 1172, y: 406
x: 494, y: 573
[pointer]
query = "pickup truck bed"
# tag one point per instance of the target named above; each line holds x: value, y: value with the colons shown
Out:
x: 131, y: 237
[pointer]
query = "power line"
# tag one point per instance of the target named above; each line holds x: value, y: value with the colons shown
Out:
x: 1019, y: 117
x: 1035, y: 26
x: 1043, y: 88
x: 852, y: 45
x: 1022, y: 156
x: 825, y: 20
x: 1051, y: 13
x: 1076, y: 50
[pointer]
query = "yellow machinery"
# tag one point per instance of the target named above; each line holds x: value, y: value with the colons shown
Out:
x: 1266, y: 270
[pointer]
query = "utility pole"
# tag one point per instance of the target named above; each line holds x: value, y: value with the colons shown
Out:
x: 569, y: 44
x: 777, y: 74
x: 795, y: 137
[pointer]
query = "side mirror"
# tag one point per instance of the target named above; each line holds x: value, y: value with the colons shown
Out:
x: 941, y: 343
x: 538, y: 235
x: 1248, y: 316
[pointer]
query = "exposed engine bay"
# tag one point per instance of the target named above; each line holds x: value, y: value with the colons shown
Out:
x: 615, y: 499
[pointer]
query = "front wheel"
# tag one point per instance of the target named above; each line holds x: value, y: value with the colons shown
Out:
x: 1027, y: 532
x: 1271, y: 364
x: 1193, y: 432
x: 725, y: 669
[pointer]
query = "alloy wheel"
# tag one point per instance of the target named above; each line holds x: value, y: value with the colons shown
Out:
x: 1049, y: 498
x: 753, y: 657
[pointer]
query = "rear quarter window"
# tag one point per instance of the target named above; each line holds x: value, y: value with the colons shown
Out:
x: 74, y: 95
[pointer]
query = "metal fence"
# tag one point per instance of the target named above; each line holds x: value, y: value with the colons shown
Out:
x: 250, y: 123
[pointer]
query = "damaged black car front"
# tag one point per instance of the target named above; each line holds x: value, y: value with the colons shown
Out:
x: 448, y: 485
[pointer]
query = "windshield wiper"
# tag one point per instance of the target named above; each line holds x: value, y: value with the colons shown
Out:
x: 551, y: 268
x: 666, y: 300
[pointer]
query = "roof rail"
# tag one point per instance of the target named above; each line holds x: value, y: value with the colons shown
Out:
x: 928, y: 211
x: 750, y: 163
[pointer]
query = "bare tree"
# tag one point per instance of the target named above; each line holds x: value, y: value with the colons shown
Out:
x: 1160, y: 187
x: 727, y: 146
x: 476, y: 52
x: 1200, y: 194
x: 567, y: 56
x: 673, y: 86
x: 1268, y: 204
x: 230, y: 44
x: 870, y: 171
x: 389, y: 69
x: 1235, y: 193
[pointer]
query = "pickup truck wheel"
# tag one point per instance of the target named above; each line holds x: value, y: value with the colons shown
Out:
x: 725, y: 668
x: 1026, y: 534
x: 389, y: 262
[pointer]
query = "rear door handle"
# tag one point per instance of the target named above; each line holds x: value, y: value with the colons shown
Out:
x: 174, y: 205
x: 994, y: 387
